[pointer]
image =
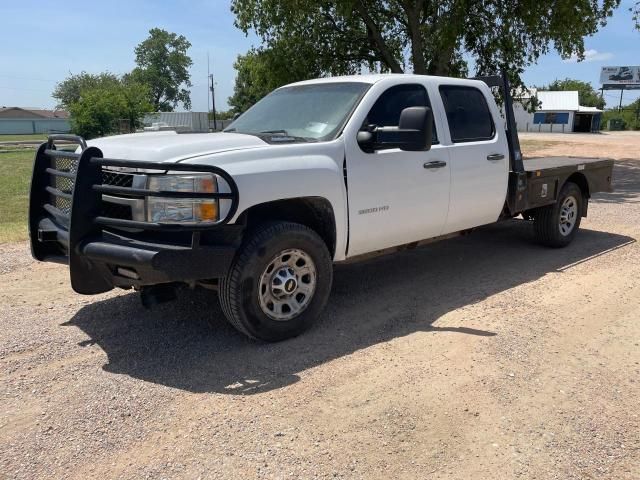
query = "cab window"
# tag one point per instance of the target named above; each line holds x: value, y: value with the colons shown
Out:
x: 387, y: 109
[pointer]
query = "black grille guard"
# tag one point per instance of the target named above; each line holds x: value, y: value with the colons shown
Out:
x: 65, y: 205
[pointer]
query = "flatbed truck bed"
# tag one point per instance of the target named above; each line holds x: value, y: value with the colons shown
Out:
x: 546, y: 175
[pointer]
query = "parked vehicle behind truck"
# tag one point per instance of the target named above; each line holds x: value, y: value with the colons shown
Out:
x: 316, y: 173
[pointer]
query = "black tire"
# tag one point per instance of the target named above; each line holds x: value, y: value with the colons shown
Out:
x: 240, y: 290
x: 547, y: 225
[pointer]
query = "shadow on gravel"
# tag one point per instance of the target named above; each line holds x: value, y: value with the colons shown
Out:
x: 626, y: 183
x: 372, y: 302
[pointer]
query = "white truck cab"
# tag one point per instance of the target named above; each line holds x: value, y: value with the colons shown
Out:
x: 317, y: 172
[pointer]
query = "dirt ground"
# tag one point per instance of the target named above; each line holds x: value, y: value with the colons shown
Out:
x: 483, y: 357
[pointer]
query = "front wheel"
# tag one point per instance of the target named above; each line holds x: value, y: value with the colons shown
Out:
x: 279, y: 282
x: 556, y: 225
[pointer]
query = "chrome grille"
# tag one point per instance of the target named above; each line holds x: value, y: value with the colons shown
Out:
x: 116, y: 206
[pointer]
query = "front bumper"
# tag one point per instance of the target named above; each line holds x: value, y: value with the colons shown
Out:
x: 67, y: 225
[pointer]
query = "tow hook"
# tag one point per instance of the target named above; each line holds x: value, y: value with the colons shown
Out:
x: 156, y: 294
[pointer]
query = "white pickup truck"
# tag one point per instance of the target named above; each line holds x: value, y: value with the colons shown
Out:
x: 317, y: 172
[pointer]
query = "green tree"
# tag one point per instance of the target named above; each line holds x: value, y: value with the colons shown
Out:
x: 98, y: 109
x: 163, y: 64
x: 262, y: 70
x: 68, y: 91
x: 635, y: 10
x: 629, y: 115
x: 587, y: 96
x: 425, y: 36
x: 136, y: 102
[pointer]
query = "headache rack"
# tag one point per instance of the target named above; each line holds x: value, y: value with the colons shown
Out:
x: 66, y: 206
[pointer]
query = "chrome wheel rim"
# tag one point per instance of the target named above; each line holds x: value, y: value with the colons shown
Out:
x: 568, y: 215
x: 287, y: 285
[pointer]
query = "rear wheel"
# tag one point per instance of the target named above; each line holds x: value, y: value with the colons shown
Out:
x: 556, y: 225
x: 279, y: 282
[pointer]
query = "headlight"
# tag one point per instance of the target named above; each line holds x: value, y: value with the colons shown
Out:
x: 178, y: 210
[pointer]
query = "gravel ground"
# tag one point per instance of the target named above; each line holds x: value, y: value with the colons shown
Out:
x: 481, y: 357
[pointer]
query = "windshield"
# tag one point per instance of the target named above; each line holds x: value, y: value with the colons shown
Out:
x: 308, y: 112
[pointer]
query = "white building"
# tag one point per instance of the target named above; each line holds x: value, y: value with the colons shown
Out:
x: 179, y: 121
x: 557, y: 112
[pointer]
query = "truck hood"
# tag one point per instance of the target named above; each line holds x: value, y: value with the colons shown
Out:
x: 170, y: 146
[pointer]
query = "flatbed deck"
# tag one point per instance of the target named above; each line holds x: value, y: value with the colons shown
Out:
x: 545, y: 177
x: 544, y: 163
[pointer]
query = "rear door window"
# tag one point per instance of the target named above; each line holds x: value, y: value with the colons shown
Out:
x: 468, y: 114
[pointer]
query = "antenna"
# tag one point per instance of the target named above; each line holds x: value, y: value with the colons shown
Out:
x: 213, y: 101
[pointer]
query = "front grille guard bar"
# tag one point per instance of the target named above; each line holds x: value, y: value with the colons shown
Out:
x: 58, y: 235
x: 100, y: 162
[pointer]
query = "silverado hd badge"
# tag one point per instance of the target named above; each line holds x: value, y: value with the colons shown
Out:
x: 373, y: 210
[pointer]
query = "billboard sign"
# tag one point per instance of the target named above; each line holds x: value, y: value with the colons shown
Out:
x: 620, y: 77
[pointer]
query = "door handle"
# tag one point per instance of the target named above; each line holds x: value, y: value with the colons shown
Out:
x: 495, y: 156
x: 435, y: 164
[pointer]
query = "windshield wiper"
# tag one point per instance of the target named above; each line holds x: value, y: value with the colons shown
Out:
x: 284, y: 135
x: 282, y: 132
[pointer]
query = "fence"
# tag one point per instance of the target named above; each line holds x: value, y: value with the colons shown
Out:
x: 220, y: 124
x: 186, y: 121
x: 19, y: 126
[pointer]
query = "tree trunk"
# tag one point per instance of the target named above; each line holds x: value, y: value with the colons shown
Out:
x: 374, y: 32
x: 449, y: 28
x: 412, y: 11
x: 441, y: 62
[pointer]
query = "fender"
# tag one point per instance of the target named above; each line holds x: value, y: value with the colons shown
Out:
x: 280, y: 172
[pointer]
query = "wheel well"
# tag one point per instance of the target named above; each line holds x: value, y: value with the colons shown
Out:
x: 580, y: 180
x: 313, y: 212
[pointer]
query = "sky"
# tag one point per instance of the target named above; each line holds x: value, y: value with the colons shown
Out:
x: 40, y: 45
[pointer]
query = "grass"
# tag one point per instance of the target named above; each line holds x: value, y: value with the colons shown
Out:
x: 14, y: 194
x: 18, y: 138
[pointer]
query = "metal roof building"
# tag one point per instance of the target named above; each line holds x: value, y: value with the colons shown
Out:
x: 21, y: 121
x: 558, y: 111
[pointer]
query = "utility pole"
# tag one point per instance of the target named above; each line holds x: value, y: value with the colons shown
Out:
x: 208, y: 92
x: 213, y: 101
x: 621, y: 92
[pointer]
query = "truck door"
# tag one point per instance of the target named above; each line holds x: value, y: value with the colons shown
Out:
x: 479, y: 157
x: 395, y: 197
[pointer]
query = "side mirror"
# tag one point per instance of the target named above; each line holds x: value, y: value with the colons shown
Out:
x: 236, y: 115
x: 420, y: 120
x: 413, y: 134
